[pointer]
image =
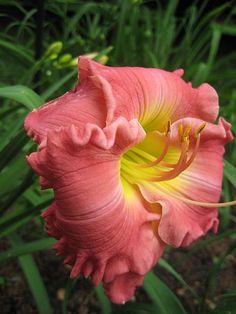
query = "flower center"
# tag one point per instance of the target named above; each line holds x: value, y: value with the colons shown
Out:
x: 162, y: 157
x: 138, y: 165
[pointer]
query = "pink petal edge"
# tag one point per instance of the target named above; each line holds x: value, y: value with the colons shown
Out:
x: 182, y: 223
x: 100, y: 233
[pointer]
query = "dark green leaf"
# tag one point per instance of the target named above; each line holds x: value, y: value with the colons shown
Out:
x: 164, y: 299
x: 33, y: 278
x: 230, y: 172
x: 27, y: 248
x: 23, y: 95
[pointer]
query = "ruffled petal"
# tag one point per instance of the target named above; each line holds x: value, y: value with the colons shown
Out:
x: 123, y: 287
x: 103, y: 231
x: 91, y: 102
x: 105, y: 93
x: 153, y: 96
x: 182, y: 223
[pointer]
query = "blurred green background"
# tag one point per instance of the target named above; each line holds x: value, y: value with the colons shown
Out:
x: 39, y: 45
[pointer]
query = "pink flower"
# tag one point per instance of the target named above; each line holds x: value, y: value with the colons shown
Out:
x: 135, y: 163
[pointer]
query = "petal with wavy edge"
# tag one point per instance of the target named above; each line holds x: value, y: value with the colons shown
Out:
x: 92, y: 102
x: 182, y: 223
x: 102, y: 232
x: 153, y: 96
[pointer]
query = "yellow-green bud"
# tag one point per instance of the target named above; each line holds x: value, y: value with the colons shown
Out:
x: 52, y: 56
x: 66, y: 58
x: 73, y: 62
x: 54, y: 48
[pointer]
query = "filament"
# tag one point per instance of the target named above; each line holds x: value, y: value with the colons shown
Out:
x: 163, y: 176
x: 174, y: 169
x: 198, y: 203
x: 160, y: 158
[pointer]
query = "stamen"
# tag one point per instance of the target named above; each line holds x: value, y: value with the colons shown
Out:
x: 160, y: 158
x: 168, y: 127
x: 194, y: 153
x: 200, y: 129
x: 164, y: 152
x: 199, y: 203
x: 157, y: 174
x: 163, y: 176
x: 180, y: 132
x: 187, y: 131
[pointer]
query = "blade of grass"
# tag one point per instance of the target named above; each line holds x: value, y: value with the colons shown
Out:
x: 104, y: 301
x: 225, y: 213
x: 27, y: 248
x: 33, y: 278
x: 164, y: 299
x: 11, y: 131
x: 13, y: 148
x: 215, y: 269
x: 230, y: 172
x: 11, y: 199
x: 23, y: 95
x: 69, y: 287
x: 19, y: 217
x: 176, y: 275
x: 17, y: 50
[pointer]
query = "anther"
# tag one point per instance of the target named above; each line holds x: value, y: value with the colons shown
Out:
x: 180, y: 132
x: 200, y: 129
x: 168, y: 128
x: 187, y: 131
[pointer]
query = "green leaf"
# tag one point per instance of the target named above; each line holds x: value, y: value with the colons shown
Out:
x: 12, y: 148
x: 17, y: 170
x: 27, y: 248
x: 230, y: 172
x: 17, y: 50
x: 227, y: 303
x: 215, y: 269
x: 105, y: 303
x: 176, y: 275
x: 225, y: 212
x: 12, y: 198
x: 33, y: 278
x: 17, y: 218
x: 226, y: 29
x: 164, y: 299
x: 11, y: 131
x: 68, y: 289
x: 23, y: 95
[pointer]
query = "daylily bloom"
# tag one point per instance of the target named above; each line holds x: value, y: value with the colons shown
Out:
x: 135, y: 163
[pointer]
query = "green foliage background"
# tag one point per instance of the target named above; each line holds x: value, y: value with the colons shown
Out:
x: 140, y: 33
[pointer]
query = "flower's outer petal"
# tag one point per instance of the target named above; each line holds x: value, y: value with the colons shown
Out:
x: 124, y: 283
x: 153, y: 96
x: 182, y: 223
x: 92, y: 102
x: 101, y: 232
